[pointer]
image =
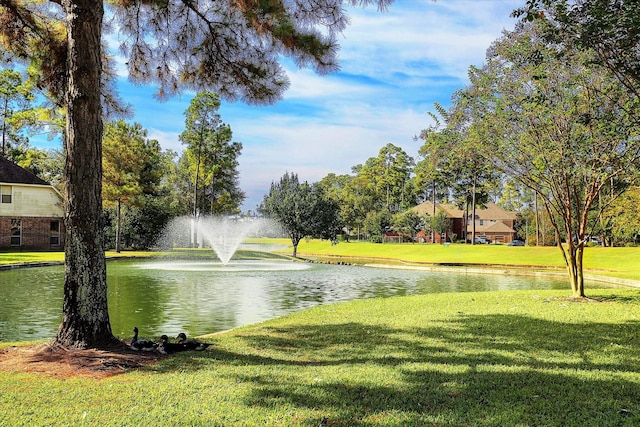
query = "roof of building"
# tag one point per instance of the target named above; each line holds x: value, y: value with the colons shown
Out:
x: 13, y: 174
x: 449, y: 209
x: 493, y: 211
x: 490, y: 211
x: 494, y: 227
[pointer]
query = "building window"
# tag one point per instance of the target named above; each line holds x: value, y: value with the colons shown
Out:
x: 54, y: 234
x: 481, y: 222
x: 5, y: 194
x: 16, y: 232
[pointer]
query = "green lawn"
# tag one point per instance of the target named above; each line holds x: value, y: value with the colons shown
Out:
x: 616, y: 262
x: 53, y: 257
x: 508, y: 358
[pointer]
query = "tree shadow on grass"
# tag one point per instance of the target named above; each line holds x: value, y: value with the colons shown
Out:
x: 489, y: 370
x: 469, y: 370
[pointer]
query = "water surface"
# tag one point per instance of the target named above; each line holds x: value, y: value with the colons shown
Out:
x: 168, y: 297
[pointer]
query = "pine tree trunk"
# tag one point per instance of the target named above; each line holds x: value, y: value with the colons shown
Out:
x: 85, y: 321
x: 118, y: 226
x: 433, y: 215
x: 473, y: 209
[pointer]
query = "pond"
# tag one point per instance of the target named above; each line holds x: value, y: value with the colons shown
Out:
x: 200, y: 297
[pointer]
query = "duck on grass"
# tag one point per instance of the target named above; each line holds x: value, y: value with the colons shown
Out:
x: 164, y: 346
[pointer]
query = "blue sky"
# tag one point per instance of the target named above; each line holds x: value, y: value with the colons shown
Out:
x: 394, y: 66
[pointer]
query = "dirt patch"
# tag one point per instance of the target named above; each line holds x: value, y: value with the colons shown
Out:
x: 61, y: 362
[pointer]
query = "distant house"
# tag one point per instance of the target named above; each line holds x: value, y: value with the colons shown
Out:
x: 494, y: 223
x: 451, y: 211
x: 491, y: 222
x: 31, y: 211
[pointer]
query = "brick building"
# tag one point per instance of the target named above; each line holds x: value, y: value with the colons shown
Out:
x: 31, y: 211
x: 491, y: 221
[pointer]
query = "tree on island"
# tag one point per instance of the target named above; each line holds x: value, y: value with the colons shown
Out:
x: 302, y: 209
x: 231, y: 47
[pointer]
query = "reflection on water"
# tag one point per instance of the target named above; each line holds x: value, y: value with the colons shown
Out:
x: 204, y: 297
x: 218, y: 266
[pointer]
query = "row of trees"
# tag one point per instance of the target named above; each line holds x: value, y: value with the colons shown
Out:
x: 551, y: 118
x: 555, y: 120
x: 143, y: 187
x: 377, y: 196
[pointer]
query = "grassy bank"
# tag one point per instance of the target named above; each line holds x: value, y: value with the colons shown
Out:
x: 26, y: 257
x: 615, y: 262
x: 512, y: 358
x: 41, y: 257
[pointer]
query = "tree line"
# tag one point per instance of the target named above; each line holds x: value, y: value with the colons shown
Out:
x: 143, y: 186
x: 550, y: 120
x: 154, y: 186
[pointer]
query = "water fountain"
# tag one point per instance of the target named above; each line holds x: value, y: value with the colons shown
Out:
x: 223, y: 234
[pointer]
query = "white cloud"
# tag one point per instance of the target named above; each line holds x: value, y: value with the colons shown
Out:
x: 307, y: 85
x: 450, y: 35
x: 167, y: 140
x: 313, y: 148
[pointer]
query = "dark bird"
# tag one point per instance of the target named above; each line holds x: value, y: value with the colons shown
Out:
x: 167, y: 347
x: 141, y: 345
x: 191, y: 344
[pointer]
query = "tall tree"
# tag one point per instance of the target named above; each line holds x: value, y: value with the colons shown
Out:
x: 16, y: 111
x: 212, y: 156
x: 390, y: 174
x: 11, y: 93
x: 431, y: 170
x: 352, y: 197
x: 452, y: 155
x: 128, y: 168
x: 559, y: 124
x: 231, y: 47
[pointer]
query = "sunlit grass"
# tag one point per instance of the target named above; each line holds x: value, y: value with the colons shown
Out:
x: 58, y: 257
x: 512, y: 358
x: 614, y: 262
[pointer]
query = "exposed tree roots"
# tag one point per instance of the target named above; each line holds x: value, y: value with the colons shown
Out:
x: 55, y: 360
